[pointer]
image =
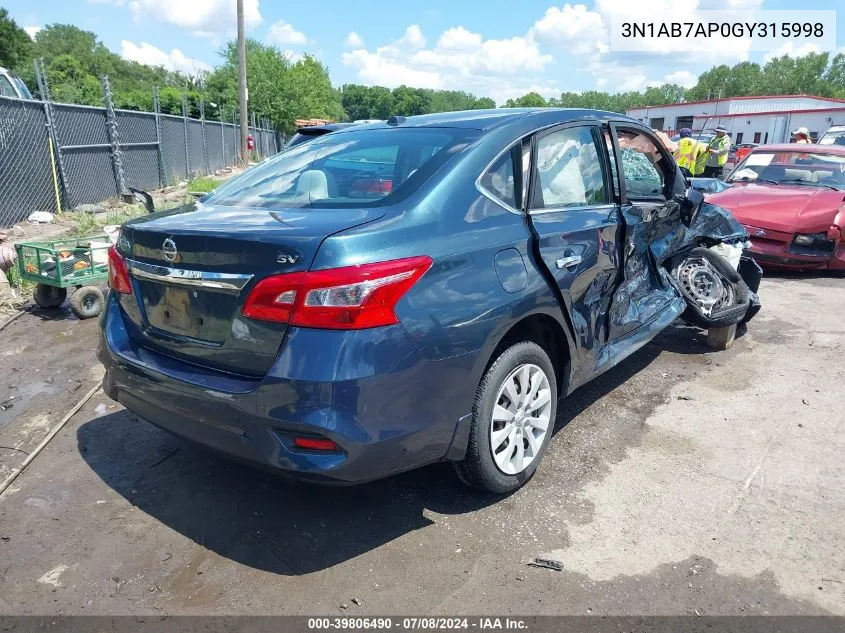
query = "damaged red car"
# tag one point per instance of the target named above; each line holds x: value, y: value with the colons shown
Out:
x: 791, y: 199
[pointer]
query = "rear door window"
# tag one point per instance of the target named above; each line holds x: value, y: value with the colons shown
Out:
x: 348, y: 169
x: 568, y: 171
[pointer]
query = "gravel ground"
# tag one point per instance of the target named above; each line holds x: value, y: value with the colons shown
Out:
x: 682, y: 481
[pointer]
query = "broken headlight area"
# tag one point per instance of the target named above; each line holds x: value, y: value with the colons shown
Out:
x: 812, y: 244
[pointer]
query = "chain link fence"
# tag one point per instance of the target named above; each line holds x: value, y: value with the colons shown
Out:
x: 56, y: 156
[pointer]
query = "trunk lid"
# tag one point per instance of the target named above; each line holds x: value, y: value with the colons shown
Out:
x: 193, y: 268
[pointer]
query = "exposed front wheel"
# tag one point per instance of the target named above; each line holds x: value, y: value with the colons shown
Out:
x: 513, y: 419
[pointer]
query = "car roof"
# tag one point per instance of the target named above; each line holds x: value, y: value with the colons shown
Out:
x: 494, y: 118
x: 801, y: 147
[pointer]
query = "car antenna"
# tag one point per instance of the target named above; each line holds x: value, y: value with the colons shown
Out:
x: 396, y: 120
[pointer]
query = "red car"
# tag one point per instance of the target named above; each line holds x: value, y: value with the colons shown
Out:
x: 791, y: 199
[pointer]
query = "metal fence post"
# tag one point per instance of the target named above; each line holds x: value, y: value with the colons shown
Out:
x: 162, y: 173
x: 55, y: 148
x: 114, y: 140
x: 187, y: 144
x: 204, y: 142
x: 222, y: 137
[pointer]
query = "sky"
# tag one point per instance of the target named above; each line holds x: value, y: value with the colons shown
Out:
x: 496, y: 48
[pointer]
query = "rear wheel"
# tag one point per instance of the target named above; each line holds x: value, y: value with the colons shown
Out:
x: 87, y: 302
x: 513, y: 419
x: 49, y: 297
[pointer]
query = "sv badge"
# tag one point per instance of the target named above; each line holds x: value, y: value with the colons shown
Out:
x: 287, y: 258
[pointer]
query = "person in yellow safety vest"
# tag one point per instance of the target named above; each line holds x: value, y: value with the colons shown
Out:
x: 690, y: 155
x: 717, y: 148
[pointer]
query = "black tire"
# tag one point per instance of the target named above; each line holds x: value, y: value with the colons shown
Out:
x: 728, y: 315
x: 49, y: 297
x: 87, y: 302
x: 479, y: 468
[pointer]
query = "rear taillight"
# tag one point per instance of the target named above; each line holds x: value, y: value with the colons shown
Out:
x: 118, y: 273
x: 350, y: 298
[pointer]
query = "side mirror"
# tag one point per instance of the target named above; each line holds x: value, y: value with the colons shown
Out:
x: 144, y: 198
x: 690, y: 204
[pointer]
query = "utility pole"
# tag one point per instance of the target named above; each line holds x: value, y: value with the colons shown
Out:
x: 242, y: 81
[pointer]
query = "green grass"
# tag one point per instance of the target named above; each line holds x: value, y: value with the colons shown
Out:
x: 203, y: 184
x: 87, y: 224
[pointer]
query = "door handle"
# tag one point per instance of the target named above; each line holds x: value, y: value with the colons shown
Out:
x: 568, y: 262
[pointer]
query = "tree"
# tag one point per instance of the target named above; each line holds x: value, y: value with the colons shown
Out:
x: 15, y: 44
x: 71, y: 83
x: 279, y: 89
x: 531, y: 100
x: 411, y: 101
x: 835, y: 75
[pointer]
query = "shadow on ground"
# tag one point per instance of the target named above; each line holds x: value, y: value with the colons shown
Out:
x: 269, y: 523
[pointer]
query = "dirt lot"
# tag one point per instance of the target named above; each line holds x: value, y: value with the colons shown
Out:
x: 682, y: 481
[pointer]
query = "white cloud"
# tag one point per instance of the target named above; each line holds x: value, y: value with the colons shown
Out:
x: 413, y: 38
x: 458, y: 39
x: 789, y: 49
x: 32, y: 31
x: 383, y: 68
x: 281, y: 33
x: 204, y: 18
x: 585, y: 34
x: 176, y: 60
x: 353, y: 40
x: 460, y: 60
x: 575, y: 27
x: 681, y: 77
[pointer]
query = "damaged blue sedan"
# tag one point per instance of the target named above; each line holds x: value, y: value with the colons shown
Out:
x: 418, y: 290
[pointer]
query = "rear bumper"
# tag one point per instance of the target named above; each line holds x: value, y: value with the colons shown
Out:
x: 369, y: 391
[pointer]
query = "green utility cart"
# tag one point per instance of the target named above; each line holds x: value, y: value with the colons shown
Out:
x: 80, y: 263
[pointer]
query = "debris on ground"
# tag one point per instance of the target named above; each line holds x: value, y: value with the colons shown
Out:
x: 41, y: 217
x: 685, y: 398
x: 547, y: 563
x: 357, y: 601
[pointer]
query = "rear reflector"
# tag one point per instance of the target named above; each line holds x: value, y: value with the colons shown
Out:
x: 350, y: 298
x: 315, y: 444
x: 118, y: 274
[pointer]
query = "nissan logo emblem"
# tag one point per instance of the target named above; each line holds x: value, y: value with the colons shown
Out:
x: 168, y: 249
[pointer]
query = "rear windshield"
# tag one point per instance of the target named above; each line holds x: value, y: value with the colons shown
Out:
x: 350, y: 169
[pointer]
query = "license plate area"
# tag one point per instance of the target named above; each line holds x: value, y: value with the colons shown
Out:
x: 193, y: 313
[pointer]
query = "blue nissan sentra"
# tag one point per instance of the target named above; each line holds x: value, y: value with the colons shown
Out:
x: 418, y: 290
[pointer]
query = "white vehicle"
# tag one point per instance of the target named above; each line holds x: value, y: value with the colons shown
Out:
x: 12, y: 86
x: 834, y: 136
